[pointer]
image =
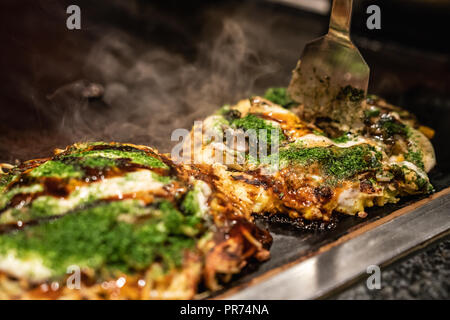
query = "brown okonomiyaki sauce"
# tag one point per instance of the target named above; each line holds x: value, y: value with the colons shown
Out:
x: 292, y: 193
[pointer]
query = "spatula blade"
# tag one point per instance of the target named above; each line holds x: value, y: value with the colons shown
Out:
x: 331, y: 80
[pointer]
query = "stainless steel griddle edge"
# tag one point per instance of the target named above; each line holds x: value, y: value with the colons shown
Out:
x: 318, y: 276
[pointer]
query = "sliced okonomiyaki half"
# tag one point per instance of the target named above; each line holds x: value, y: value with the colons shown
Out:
x: 316, y: 168
x: 125, y: 219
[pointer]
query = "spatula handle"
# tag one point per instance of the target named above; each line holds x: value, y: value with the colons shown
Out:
x: 341, y: 15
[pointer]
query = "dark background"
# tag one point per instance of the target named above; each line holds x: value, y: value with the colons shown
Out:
x: 163, y: 64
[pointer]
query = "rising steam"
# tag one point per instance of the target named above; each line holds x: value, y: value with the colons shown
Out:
x: 138, y: 92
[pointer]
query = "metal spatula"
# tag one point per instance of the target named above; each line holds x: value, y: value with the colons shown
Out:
x: 331, y: 78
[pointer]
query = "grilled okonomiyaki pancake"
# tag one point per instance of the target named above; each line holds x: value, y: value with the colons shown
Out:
x: 135, y: 225
x: 138, y: 225
x: 314, y: 169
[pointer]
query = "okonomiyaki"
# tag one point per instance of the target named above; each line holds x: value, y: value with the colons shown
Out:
x: 125, y: 220
x: 317, y: 168
x: 120, y: 221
